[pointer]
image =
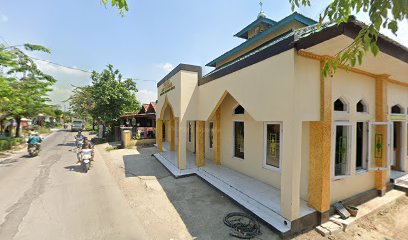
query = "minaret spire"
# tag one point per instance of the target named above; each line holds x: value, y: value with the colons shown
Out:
x: 261, y: 12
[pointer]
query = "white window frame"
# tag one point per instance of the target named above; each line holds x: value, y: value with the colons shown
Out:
x: 350, y: 147
x: 266, y: 166
x: 209, y: 135
x: 233, y: 139
x: 390, y: 141
x: 365, y: 147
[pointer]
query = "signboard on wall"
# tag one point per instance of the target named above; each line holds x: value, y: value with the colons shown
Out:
x: 167, y: 87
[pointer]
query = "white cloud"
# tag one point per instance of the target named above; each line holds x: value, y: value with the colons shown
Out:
x: 66, y: 77
x: 166, y: 67
x: 60, y: 94
x: 146, y: 96
x: 3, y: 18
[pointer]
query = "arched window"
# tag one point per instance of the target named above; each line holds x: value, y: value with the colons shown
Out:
x: 361, y: 106
x: 239, y: 110
x: 396, y: 109
x: 340, y: 105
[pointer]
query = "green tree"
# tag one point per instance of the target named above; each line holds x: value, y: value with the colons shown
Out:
x: 121, y: 5
x: 388, y: 14
x: 25, y: 87
x: 81, y: 102
x: 58, y: 114
x: 112, y: 95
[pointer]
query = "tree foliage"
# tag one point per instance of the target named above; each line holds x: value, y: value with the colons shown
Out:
x: 121, y: 5
x: 388, y: 14
x: 81, y: 102
x: 23, y: 86
x: 106, y: 99
x: 112, y: 95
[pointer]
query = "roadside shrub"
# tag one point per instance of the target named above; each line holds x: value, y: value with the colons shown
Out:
x: 13, y: 143
x: 4, y: 145
x: 43, y: 130
x: 96, y: 141
x: 8, y: 142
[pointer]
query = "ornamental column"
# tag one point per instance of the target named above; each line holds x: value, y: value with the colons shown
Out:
x: 200, y: 143
x: 217, y: 137
x: 320, y: 152
x: 159, y: 135
x: 381, y: 109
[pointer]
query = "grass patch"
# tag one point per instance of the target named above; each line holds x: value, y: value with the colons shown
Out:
x: 111, y: 148
x: 96, y: 141
x: 7, y: 143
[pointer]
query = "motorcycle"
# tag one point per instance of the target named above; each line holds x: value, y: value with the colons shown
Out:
x: 86, y: 159
x: 33, y: 150
x: 78, y: 143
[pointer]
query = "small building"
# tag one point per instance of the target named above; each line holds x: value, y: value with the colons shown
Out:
x: 271, y: 131
x: 143, y: 123
x: 25, y: 122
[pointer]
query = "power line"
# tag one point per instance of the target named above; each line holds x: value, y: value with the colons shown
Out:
x: 86, y: 71
x: 68, y: 67
x: 60, y: 65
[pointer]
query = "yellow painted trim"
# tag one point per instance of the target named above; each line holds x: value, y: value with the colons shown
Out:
x: 159, y: 135
x: 165, y: 105
x: 178, y: 144
x: 218, y: 105
x: 172, y: 133
x: 200, y: 143
x: 314, y: 56
x: 404, y: 84
x: 217, y: 137
x: 381, y: 113
x: 320, y: 150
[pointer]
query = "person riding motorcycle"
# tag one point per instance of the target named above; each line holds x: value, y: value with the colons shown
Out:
x: 85, y: 150
x: 91, y: 146
x: 34, y: 139
x: 79, y: 137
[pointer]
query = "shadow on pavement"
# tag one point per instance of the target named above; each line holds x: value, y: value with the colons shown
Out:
x: 68, y: 144
x: 75, y: 168
x: 200, y: 206
x: 8, y: 161
x: 136, y: 166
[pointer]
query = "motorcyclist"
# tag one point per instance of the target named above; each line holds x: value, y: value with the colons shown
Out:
x: 85, y: 150
x: 34, y: 139
x: 90, y: 146
x: 79, y: 137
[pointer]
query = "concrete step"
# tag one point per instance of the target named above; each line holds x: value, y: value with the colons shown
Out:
x: 177, y: 173
x: 266, y: 214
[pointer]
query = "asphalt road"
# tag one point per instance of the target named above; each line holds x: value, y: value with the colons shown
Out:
x: 49, y: 197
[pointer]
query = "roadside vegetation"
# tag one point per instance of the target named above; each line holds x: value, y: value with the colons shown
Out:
x: 24, y: 92
x: 23, y: 87
x: 102, y: 102
x: 7, y: 143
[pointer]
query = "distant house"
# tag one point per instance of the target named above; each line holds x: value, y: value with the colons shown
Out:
x: 142, y: 122
x: 25, y: 122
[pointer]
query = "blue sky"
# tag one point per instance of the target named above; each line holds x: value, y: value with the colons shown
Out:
x: 152, y: 38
